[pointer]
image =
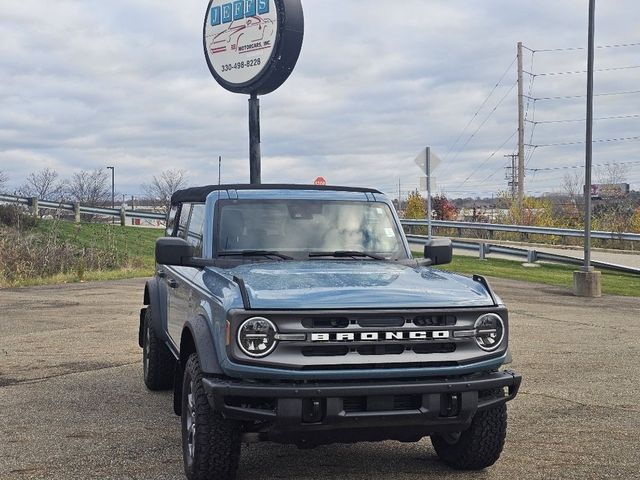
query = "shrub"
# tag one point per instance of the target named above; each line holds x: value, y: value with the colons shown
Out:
x: 15, y: 216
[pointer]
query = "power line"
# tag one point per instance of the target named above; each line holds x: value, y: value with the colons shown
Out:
x: 618, y: 45
x: 565, y: 97
x: 613, y: 117
x: 575, y: 72
x: 568, y: 167
x: 475, y: 115
x: 488, y: 158
x: 484, y: 121
x: 605, y: 140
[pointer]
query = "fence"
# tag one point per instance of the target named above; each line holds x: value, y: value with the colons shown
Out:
x: 36, y: 204
x: 530, y: 255
x: 490, y: 228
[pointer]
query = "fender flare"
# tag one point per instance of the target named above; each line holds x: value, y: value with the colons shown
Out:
x: 200, y: 332
x: 153, y: 290
x: 196, y: 336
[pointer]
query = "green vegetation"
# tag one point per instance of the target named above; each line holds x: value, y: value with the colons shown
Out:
x: 134, y: 243
x: 560, y: 275
x: 35, y: 252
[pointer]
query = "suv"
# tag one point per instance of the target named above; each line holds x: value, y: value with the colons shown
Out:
x: 296, y: 314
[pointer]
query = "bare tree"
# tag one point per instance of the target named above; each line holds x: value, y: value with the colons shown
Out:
x: 4, y: 178
x: 162, y: 187
x: 89, y: 188
x: 573, y: 185
x: 43, y: 184
x: 612, y: 173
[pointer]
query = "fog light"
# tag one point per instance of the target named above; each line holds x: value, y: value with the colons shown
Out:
x: 257, y: 337
x: 489, y: 331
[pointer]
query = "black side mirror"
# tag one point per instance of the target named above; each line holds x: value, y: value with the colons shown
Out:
x: 174, y: 251
x: 439, y: 251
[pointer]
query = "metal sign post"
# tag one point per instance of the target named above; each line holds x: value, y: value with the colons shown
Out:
x: 429, y: 193
x: 251, y: 47
x: 255, y: 157
x: 588, y: 282
x: 428, y: 161
x: 589, y: 140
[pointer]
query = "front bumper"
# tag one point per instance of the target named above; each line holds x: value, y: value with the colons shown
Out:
x: 310, y: 414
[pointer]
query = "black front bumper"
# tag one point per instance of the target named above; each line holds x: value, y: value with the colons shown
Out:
x: 317, y: 413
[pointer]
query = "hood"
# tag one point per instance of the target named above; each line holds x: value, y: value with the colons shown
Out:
x: 338, y: 284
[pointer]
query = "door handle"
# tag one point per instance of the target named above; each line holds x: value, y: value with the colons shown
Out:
x: 161, y: 273
x: 172, y: 283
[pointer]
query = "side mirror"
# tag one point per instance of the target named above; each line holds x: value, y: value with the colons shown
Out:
x: 173, y: 251
x: 439, y: 251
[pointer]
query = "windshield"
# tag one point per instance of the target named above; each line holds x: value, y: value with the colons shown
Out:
x: 308, y: 228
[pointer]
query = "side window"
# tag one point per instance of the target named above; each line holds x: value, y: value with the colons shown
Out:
x: 171, y: 221
x: 185, y: 210
x: 196, y: 227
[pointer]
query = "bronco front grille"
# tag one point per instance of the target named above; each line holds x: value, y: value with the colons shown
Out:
x: 369, y: 339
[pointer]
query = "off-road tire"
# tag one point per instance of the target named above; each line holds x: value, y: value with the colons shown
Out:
x: 477, y: 447
x: 216, y: 440
x: 158, y: 364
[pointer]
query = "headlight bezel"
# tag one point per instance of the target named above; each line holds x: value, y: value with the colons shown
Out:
x: 500, y: 328
x: 270, y: 336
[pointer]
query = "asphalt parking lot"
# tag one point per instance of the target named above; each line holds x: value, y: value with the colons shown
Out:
x: 73, y: 405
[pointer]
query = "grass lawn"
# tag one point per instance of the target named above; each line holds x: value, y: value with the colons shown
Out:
x: 135, y: 245
x: 613, y: 283
x: 137, y: 242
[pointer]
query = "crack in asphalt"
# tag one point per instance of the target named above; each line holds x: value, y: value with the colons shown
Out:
x: 582, y: 404
x: 567, y: 322
x: 9, y: 382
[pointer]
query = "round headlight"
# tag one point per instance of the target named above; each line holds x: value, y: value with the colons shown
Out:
x: 489, y: 332
x: 257, y: 337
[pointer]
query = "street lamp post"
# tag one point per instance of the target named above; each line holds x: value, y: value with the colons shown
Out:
x: 113, y: 191
x: 587, y: 282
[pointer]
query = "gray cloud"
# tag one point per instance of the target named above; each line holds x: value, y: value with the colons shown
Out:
x: 86, y: 84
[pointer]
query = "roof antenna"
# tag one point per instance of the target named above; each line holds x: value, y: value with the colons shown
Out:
x: 219, y: 169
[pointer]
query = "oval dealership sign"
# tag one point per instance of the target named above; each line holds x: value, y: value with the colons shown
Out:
x: 252, y: 46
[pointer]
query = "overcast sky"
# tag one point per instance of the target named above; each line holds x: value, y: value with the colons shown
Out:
x: 88, y: 84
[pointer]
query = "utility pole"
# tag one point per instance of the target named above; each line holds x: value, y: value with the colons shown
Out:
x: 511, y: 175
x: 520, y: 131
x: 399, y: 196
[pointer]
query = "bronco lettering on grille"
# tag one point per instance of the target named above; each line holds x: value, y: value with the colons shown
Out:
x: 380, y: 336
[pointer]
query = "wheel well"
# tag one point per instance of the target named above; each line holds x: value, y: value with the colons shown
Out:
x: 187, y: 346
x: 146, y: 300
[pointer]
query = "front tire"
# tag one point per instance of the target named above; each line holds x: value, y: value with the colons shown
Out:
x: 210, y: 443
x: 477, y: 447
x: 157, y: 362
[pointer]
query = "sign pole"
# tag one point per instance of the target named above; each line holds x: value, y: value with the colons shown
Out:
x: 255, y: 158
x: 428, y: 171
x: 589, y: 140
x: 587, y: 282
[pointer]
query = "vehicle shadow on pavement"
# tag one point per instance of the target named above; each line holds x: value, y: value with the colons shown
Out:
x: 345, y: 461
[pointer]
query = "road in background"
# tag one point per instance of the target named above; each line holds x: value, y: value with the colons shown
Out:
x: 73, y: 405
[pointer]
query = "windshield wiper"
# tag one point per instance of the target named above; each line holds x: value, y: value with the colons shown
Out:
x: 255, y: 253
x: 345, y: 254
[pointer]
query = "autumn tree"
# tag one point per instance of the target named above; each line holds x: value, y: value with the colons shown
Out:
x: 416, y: 209
x: 162, y: 187
x: 443, y: 208
x: 44, y: 184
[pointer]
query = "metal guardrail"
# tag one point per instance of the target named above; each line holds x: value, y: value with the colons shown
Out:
x: 83, y: 209
x: 530, y: 255
x: 496, y: 227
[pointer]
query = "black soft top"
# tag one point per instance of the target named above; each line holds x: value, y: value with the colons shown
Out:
x: 199, y: 194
